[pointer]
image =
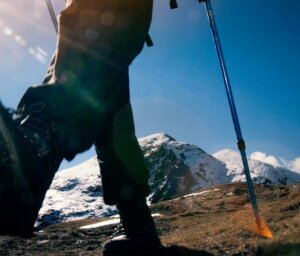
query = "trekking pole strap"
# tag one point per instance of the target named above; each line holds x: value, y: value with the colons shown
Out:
x: 149, y: 41
x: 173, y: 4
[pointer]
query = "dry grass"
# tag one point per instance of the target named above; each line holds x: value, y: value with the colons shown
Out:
x: 220, y: 222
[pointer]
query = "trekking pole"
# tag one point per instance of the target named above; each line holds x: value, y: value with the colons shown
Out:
x: 262, y: 228
x: 52, y: 15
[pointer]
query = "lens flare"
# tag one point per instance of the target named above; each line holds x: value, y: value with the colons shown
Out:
x: 7, y: 31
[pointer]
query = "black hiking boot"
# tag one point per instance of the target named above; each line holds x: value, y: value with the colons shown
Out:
x: 136, y: 234
x: 29, y: 158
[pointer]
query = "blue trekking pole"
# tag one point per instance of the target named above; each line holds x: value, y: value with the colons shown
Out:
x: 262, y: 228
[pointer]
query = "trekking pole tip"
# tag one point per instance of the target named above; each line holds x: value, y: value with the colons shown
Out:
x: 262, y: 228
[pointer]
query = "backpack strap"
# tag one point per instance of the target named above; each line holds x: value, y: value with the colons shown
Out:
x: 173, y: 4
x: 149, y: 41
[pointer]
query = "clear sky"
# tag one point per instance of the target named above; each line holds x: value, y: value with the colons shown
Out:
x: 176, y: 86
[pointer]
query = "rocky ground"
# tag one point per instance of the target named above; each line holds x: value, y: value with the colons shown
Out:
x: 217, y: 221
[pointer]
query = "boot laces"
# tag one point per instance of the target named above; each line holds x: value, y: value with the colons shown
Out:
x: 31, y: 118
x: 37, y: 127
x: 119, y: 230
x: 11, y: 111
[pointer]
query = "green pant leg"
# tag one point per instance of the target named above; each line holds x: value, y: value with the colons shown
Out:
x: 123, y: 169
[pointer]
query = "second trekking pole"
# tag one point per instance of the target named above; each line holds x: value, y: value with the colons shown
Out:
x: 52, y: 15
x: 262, y: 228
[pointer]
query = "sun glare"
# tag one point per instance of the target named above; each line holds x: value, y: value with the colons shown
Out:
x: 11, y: 23
x: 7, y: 31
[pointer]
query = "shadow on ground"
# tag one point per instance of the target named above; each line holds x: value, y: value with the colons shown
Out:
x: 279, y: 249
x: 183, y: 251
x: 165, y: 251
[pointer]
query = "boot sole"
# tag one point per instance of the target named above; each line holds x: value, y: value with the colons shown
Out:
x: 126, y: 247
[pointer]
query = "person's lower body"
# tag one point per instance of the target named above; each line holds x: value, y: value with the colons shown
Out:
x: 125, y: 181
x: 83, y: 100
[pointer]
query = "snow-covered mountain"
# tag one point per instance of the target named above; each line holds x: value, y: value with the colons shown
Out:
x: 75, y: 193
x: 176, y: 169
x: 262, y: 173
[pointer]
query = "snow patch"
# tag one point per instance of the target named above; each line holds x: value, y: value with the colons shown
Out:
x: 206, y: 192
x: 101, y: 224
x: 113, y: 221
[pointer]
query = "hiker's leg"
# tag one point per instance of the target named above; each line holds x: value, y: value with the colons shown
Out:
x: 97, y: 39
x: 125, y: 177
x: 122, y: 164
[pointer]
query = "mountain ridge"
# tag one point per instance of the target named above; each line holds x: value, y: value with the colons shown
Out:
x: 176, y: 169
x: 261, y: 172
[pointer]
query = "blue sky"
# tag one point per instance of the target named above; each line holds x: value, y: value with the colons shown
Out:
x: 176, y: 86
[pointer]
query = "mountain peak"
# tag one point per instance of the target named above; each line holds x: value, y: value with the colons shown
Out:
x: 156, y: 138
x: 226, y: 152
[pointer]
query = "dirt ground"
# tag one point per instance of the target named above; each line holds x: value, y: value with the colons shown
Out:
x: 217, y: 221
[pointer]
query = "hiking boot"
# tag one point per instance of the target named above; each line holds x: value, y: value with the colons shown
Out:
x: 136, y: 234
x: 29, y: 158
